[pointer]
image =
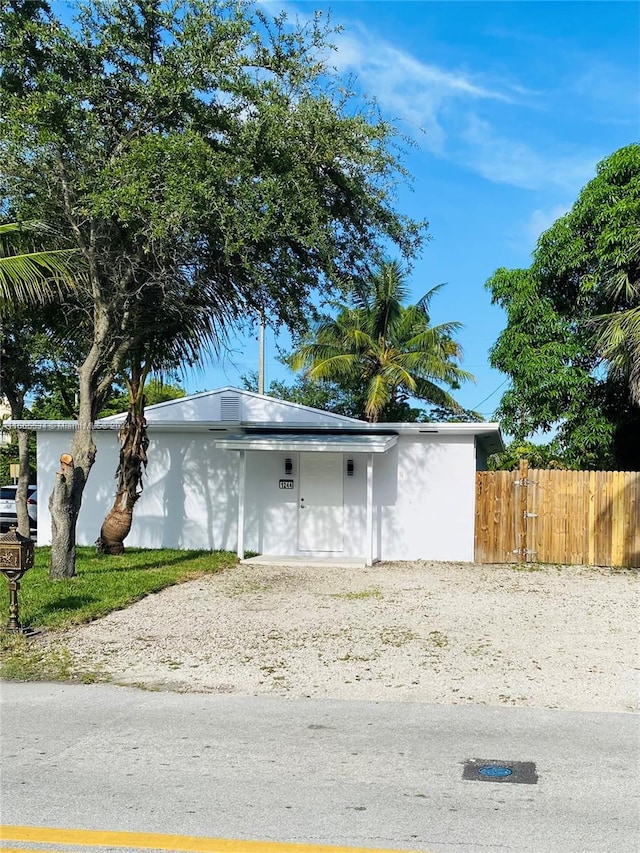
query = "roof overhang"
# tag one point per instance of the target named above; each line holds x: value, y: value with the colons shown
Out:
x: 291, y: 442
x: 115, y: 424
x: 487, y: 434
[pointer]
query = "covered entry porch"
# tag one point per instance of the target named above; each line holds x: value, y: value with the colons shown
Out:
x: 321, y: 484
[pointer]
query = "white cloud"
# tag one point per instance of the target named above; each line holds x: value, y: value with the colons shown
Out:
x: 509, y: 161
x: 414, y: 92
x: 440, y: 107
x: 373, y: 56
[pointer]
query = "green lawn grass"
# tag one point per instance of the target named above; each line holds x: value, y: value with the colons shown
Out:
x: 104, y: 584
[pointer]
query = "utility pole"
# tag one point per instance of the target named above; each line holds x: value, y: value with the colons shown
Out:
x: 261, y: 354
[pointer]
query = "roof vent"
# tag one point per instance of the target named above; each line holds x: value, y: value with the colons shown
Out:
x: 230, y: 408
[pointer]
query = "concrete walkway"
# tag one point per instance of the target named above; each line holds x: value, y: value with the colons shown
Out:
x: 332, y: 562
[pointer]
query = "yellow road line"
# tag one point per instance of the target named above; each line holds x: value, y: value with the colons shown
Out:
x: 176, y: 843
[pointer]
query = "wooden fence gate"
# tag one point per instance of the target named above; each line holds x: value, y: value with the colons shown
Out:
x: 590, y: 518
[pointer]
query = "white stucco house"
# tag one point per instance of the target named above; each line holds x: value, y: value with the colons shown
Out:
x: 229, y: 469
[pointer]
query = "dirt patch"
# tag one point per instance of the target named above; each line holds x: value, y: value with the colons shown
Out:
x: 544, y: 636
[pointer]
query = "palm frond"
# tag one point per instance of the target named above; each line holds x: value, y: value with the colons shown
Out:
x: 432, y: 393
x: 396, y: 375
x: 388, y: 292
x: 436, y: 366
x: 386, y: 347
x: 378, y: 396
x: 619, y: 344
x: 442, y: 330
x: 35, y: 277
x: 334, y: 368
x: 424, y: 302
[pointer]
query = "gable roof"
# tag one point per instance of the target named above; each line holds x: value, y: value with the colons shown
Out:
x: 234, y: 406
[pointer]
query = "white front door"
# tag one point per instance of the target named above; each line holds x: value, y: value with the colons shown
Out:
x: 321, y: 504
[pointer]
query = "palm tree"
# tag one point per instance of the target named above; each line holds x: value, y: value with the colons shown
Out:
x: 388, y: 349
x: 32, y: 277
x: 174, y: 327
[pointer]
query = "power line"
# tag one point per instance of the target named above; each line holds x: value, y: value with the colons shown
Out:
x: 491, y: 394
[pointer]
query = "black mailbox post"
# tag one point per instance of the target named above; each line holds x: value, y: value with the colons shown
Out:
x: 16, y: 556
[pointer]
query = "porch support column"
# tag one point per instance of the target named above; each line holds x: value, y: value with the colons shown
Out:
x: 242, y: 482
x: 369, y: 550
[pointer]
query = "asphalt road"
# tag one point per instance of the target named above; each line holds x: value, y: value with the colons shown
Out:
x: 361, y: 774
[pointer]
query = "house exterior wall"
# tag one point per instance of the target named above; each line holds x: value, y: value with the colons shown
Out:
x: 481, y: 457
x: 190, y: 496
x: 271, y: 514
x: 425, y: 510
x: 424, y: 492
x: 100, y: 486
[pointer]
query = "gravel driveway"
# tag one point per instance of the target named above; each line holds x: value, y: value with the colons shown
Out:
x: 543, y: 636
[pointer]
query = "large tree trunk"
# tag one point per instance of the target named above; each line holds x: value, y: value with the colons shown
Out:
x: 95, y: 376
x: 133, y: 459
x: 62, y: 502
x: 70, y: 481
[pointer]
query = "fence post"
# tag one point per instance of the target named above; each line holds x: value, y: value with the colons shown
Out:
x: 521, y: 511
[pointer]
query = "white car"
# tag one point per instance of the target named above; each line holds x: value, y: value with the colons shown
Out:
x: 8, y: 515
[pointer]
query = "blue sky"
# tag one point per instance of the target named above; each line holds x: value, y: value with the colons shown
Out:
x: 511, y: 105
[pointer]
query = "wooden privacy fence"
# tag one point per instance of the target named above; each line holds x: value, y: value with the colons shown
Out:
x: 590, y: 518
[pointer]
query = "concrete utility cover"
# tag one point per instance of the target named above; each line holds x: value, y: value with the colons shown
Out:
x: 490, y: 770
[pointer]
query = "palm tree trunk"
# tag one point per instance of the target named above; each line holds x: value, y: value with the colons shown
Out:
x: 134, y: 442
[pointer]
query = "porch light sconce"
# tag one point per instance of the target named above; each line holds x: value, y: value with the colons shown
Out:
x: 288, y: 466
x: 351, y: 468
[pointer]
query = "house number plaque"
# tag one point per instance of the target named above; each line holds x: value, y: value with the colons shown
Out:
x: 286, y: 484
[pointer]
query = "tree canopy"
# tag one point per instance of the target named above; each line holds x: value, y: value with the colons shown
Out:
x: 201, y: 140
x: 584, y: 270
x: 318, y: 394
x: 537, y: 455
x: 196, y: 145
